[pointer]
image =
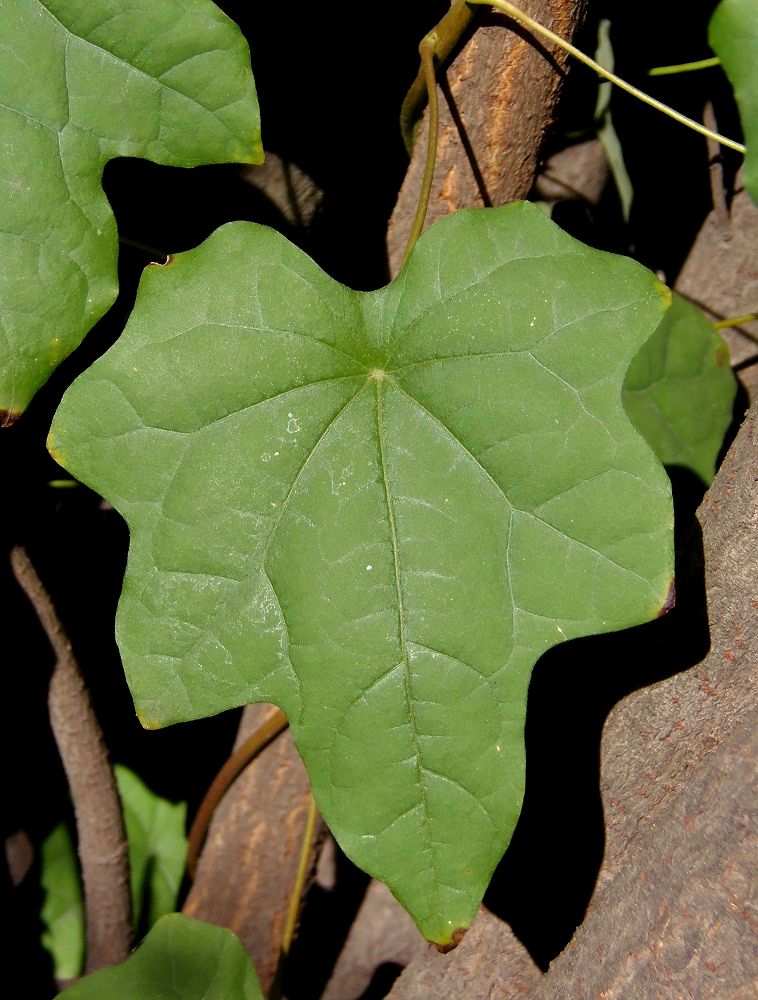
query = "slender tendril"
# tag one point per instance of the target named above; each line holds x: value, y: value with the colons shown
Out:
x: 301, y: 875
x: 518, y: 15
x: 447, y: 32
x: 732, y: 321
x: 426, y: 51
x: 687, y: 67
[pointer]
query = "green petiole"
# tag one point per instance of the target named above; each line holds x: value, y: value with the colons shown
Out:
x: 687, y: 67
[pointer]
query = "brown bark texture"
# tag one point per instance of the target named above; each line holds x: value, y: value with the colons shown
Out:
x: 721, y: 276
x: 491, y: 133
x: 248, y: 866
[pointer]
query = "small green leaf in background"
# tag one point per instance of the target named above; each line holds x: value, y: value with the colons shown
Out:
x: 81, y: 82
x: 733, y: 35
x: 157, y: 848
x: 606, y: 130
x: 680, y: 389
x: 180, y: 959
x: 377, y: 510
x: 62, y: 911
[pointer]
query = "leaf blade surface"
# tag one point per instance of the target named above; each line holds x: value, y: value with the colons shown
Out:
x: 377, y: 510
x: 680, y: 389
x: 733, y: 35
x: 180, y: 958
x: 81, y: 83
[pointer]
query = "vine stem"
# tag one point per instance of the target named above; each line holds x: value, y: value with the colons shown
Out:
x: 687, y: 67
x: 101, y: 838
x: 732, y: 321
x: 236, y: 763
x: 427, y: 52
x: 539, y: 29
x: 300, y: 876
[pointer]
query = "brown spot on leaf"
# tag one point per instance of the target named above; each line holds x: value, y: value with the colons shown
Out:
x: 455, y: 939
x: 8, y: 417
x: 670, y: 601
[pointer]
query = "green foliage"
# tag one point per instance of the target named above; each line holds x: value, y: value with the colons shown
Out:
x: 157, y: 848
x: 733, y: 35
x: 680, y: 390
x: 180, y: 959
x: 606, y: 130
x: 377, y: 510
x: 81, y: 83
x: 62, y: 913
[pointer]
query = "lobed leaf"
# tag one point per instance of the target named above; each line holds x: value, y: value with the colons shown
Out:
x: 377, y: 510
x: 680, y: 390
x: 180, y: 959
x: 733, y: 35
x: 81, y: 82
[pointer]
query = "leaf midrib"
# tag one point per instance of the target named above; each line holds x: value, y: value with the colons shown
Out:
x: 402, y: 636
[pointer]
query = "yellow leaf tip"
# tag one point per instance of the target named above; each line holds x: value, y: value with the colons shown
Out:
x: 452, y: 942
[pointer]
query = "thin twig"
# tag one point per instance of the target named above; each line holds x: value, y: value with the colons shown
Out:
x: 99, y: 822
x: 716, y: 174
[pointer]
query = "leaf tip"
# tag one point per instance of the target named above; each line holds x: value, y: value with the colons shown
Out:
x: 253, y: 154
x: 54, y: 451
x: 149, y: 723
x: 670, y: 601
x: 666, y: 294
x: 8, y: 417
x: 452, y: 942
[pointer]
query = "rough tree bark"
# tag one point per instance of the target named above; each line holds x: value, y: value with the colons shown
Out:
x: 491, y: 133
x: 248, y: 865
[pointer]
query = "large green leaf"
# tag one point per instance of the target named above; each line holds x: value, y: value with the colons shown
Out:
x: 62, y: 912
x: 180, y: 959
x: 81, y: 82
x: 157, y: 847
x: 733, y: 34
x: 679, y: 390
x: 377, y: 510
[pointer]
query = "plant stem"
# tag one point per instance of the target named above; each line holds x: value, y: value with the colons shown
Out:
x: 233, y: 767
x: 426, y: 51
x: 303, y: 865
x: 732, y: 321
x: 446, y: 34
x: 518, y: 15
x: 684, y: 67
x: 99, y: 822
